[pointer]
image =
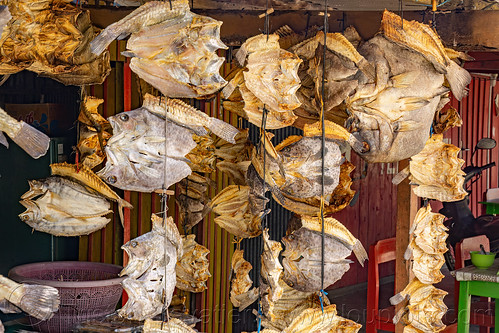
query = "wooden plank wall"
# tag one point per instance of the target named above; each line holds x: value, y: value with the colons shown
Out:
x: 212, y: 306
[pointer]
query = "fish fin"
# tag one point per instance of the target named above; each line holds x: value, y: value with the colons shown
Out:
x: 399, y: 177
x: 102, y: 41
x: 39, y: 301
x: 32, y: 141
x: 405, y: 126
x: 399, y: 315
x: 122, y: 203
x: 224, y: 130
x: 413, y: 103
x: 408, y: 253
x: 8, y: 307
x: 128, y: 54
x: 198, y: 130
x: 394, y: 300
x: 241, y: 55
x: 360, y: 252
x: 367, y: 68
x: 458, y: 79
x: 229, y: 89
x: 206, y: 210
x: 3, y: 140
x: 404, y: 80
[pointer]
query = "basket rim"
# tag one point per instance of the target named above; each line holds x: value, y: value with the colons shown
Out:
x: 14, y: 274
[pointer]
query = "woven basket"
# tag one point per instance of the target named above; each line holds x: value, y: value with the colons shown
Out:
x: 87, y: 290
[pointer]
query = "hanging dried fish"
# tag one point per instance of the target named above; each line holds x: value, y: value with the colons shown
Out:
x: 437, y: 171
x: 62, y: 207
x: 240, y: 294
x: 318, y: 320
x: 137, y: 156
x: 151, y: 270
x: 173, y: 325
x: 192, y: 268
x: 38, y: 301
x: 51, y: 38
x: 172, y: 48
x: 89, y: 179
x: 271, y: 270
x: 192, y: 200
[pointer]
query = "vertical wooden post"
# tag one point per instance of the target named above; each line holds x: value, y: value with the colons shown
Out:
x: 407, y: 206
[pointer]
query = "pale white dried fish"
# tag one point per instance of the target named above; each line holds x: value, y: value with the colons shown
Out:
x: 173, y: 325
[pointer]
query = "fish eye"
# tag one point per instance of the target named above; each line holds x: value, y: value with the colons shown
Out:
x: 134, y: 244
x: 111, y: 179
x: 124, y: 117
x: 25, y: 217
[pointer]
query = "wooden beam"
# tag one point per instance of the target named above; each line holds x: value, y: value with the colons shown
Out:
x: 469, y: 30
x: 407, y: 206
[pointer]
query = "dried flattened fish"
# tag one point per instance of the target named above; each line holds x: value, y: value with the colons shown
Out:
x: 173, y: 325
x: 240, y: 294
x: 192, y: 268
x: 62, y: 207
x: 271, y: 272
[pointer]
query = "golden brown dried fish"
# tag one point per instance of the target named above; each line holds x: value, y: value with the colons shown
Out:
x: 429, y: 231
x: 445, y: 120
x: 424, y: 40
x: 173, y: 325
x: 240, y: 294
x: 192, y: 268
x: 271, y: 270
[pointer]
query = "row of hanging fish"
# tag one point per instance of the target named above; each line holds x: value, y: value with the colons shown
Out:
x: 436, y: 171
x: 71, y: 202
x: 50, y: 38
x: 425, y: 308
x: 170, y: 47
x: 385, y: 91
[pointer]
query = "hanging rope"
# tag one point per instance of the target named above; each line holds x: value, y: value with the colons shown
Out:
x: 323, y: 148
x: 164, y: 209
x: 434, y: 10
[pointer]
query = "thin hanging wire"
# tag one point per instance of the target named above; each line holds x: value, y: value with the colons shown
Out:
x: 164, y: 209
x: 323, y: 148
x: 401, y: 11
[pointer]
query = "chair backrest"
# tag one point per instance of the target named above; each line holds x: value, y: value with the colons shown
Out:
x: 464, y: 247
x: 383, y: 251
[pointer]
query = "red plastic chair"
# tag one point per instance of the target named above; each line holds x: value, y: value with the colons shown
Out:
x: 378, y: 319
x: 482, y: 312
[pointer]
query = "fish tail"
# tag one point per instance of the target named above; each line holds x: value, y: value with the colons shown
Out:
x: 408, y: 253
x: 206, y: 210
x: 39, y: 301
x: 32, y: 141
x: 3, y: 140
x: 241, y: 55
x: 394, y: 300
x: 360, y: 252
x: 223, y: 130
x: 122, y: 203
x: 458, y: 79
x: 102, y: 41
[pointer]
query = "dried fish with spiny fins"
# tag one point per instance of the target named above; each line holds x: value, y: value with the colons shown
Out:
x: 424, y: 40
x: 63, y: 207
x: 192, y: 268
x: 318, y: 320
x: 436, y: 171
x: 38, y: 301
x: 425, y: 266
x: 150, y: 280
x: 89, y: 179
x: 241, y: 293
x: 173, y: 325
x: 51, y: 38
x: 172, y: 48
x: 186, y: 115
x: 239, y: 211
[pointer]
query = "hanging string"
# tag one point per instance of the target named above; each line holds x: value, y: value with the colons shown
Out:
x: 401, y: 11
x: 434, y: 10
x: 164, y: 208
x: 266, y: 27
x: 323, y: 148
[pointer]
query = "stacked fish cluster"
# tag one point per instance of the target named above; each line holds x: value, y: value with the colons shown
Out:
x: 153, y: 259
x: 51, y: 38
x: 425, y: 308
x: 436, y: 171
x: 268, y: 83
x: 192, y: 267
x: 171, y: 48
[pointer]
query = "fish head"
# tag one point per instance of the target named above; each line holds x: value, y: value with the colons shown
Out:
x: 115, y: 172
x: 126, y: 121
x: 139, y: 251
x: 36, y: 188
x: 32, y: 213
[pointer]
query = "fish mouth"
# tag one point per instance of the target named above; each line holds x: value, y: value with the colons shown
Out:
x: 35, y: 189
x: 32, y: 213
x: 136, y: 266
